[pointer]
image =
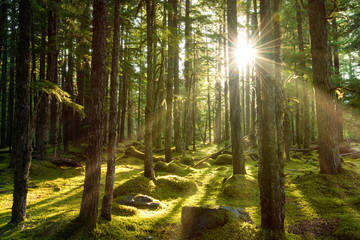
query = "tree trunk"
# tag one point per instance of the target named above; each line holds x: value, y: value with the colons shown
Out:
x: 325, y: 110
x: 270, y: 172
x: 235, y: 118
x: 194, y: 99
x: 21, y: 151
x: 226, y: 88
x: 90, y: 198
x: 10, y: 114
x: 110, y: 173
x: 339, y: 112
x: 170, y: 78
x: 3, y: 81
x: 68, y: 111
x: 187, y: 66
x: 177, y: 135
x: 304, y: 80
x: 148, y: 162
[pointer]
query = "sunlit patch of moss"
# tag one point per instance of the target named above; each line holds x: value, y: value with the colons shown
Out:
x: 173, y: 186
x: 135, y: 185
x: 223, y: 159
x: 122, y: 210
x: 189, y: 161
x: 173, y: 167
x: 241, y: 187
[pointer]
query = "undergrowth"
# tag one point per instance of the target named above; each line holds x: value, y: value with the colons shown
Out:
x: 318, y: 206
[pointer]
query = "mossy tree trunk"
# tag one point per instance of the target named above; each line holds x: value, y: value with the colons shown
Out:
x: 90, y: 198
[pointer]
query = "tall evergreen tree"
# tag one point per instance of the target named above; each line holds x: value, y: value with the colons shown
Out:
x: 95, y: 112
x: 22, y: 141
x: 325, y: 109
x: 235, y: 118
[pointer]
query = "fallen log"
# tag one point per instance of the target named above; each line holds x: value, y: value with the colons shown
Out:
x: 354, y: 155
x: 58, y: 161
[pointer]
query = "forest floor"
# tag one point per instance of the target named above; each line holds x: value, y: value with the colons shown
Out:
x: 317, y: 206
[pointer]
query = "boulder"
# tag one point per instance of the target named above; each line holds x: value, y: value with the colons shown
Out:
x: 197, y: 220
x: 140, y: 201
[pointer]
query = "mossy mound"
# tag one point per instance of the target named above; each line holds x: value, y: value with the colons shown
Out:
x: 241, y: 187
x: 172, y: 186
x: 223, y: 159
x: 189, y: 161
x: 174, y: 167
x: 135, y: 185
x: 203, y: 165
x: 122, y: 210
x: 164, y: 187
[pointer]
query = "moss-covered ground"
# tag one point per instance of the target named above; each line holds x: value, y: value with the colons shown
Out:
x: 317, y: 206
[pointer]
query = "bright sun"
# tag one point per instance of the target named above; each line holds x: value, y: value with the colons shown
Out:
x: 245, y: 53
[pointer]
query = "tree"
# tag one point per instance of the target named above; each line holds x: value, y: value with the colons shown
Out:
x: 235, y: 118
x: 170, y: 78
x: 148, y: 162
x: 21, y: 146
x: 110, y: 173
x: 270, y: 172
x: 4, y: 70
x: 95, y: 112
x: 329, y: 158
x: 52, y: 69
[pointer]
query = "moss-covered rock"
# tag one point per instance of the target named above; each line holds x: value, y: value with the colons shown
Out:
x: 223, y: 159
x: 203, y: 165
x: 189, y: 161
x: 160, y: 166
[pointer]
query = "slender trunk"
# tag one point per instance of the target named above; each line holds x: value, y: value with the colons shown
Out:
x: 129, y: 115
x: 90, y: 199
x: 304, y: 80
x: 325, y: 110
x: 226, y: 88
x: 187, y: 65
x: 170, y: 80
x: 247, y: 80
x: 148, y: 162
x: 10, y: 115
x: 3, y: 88
x: 110, y: 172
x: 177, y: 136
x: 194, y: 100
x: 339, y: 113
x: 21, y: 152
x: 235, y: 118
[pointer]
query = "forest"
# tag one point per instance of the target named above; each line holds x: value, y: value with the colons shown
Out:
x: 180, y: 119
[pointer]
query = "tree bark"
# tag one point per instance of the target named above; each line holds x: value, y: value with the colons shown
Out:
x: 325, y: 110
x: 3, y: 81
x: 148, y: 162
x: 235, y: 118
x: 21, y: 152
x: 187, y: 66
x: 90, y: 198
x: 270, y: 172
x: 110, y: 173
x: 177, y: 135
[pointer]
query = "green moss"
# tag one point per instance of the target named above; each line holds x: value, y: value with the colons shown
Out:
x: 223, y: 159
x: 241, y: 187
x: 135, y: 185
x: 173, y: 186
x: 121, y: 210
x: 187, y: 161
x: 174, y: 167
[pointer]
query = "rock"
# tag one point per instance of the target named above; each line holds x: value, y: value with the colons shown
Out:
x: 197, y: 220
x: 140, y: 201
